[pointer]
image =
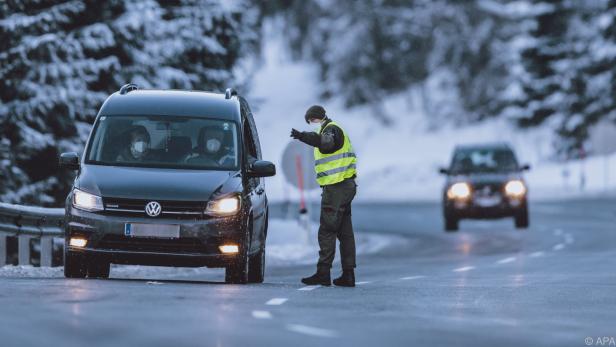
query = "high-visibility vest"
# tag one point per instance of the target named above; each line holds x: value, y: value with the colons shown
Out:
x: 335, y: 167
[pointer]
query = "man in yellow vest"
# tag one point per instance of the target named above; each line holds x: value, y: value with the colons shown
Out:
x: 336, y: 172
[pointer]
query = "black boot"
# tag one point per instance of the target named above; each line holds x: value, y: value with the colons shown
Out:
x: 321, y: 277
x: 347, y: 279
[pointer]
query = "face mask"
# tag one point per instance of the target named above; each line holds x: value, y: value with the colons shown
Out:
x: 138, y: 148
x: 316, y: 125
x: 212, y: 145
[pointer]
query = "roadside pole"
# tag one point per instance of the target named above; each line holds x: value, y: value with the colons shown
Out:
x: 298, y: 170
x: 304, y: 217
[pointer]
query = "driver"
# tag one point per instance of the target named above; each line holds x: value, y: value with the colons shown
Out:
x: 138, y: 146
x: 211, y: 150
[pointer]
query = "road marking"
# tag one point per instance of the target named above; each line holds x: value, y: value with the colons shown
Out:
x: 276, y: 301
x: 411, y: 278
x: 569, y: 238
x: 558, y: 232
x: 153, y: 282
x: 506, y: 260
x: 558, y: 247
x: 261, y: 315
x: 537, y: 254
x: 309, y: 287
x: 307, y: 330
x: 363, y: 282
x: 463, y: 269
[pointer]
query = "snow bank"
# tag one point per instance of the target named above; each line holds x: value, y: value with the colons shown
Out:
x: 31, y: 271
x: 288, y: 243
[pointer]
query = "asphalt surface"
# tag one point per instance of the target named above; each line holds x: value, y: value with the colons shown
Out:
x: 488, y: 284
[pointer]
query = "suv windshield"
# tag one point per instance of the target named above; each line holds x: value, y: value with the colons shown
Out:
x: 483, y: 160
x: 164, y: 142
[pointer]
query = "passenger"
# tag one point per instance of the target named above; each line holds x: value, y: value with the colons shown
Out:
x: 138, y: 147
x: 211, y: 150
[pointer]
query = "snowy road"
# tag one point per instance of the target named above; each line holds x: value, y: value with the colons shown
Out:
x: 488, y: 284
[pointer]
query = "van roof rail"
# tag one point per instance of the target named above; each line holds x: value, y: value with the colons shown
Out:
x: 230, y: 92
x: 127, y: 88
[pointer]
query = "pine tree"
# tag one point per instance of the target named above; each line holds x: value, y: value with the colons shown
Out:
x: 59, y: 60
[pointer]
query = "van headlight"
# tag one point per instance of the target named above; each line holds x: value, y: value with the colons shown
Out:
x: 459, y: 191
x: 515, y: 189
x: 86, y: 201
x: 224, y: 207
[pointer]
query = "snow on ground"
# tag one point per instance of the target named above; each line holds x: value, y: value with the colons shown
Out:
x: 401, y: 162
x: 288, y: 244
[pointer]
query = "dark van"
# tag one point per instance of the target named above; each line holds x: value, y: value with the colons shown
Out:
x: 169, y: 178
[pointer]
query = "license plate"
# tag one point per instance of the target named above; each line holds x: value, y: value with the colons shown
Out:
x: 152, y: 230
x: 488, y: 201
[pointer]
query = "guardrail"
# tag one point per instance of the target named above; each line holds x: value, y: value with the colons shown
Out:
x: 25, y: 223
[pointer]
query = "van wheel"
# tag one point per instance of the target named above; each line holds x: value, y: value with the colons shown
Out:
x: 521, y: 219
x: 451, y: 224
x: 256, y: 273
x: 98, y: 268
x: 74, y: 265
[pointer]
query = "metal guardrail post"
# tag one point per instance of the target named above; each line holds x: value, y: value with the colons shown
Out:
x: 2, y: 250
x: 46, y: 250
x: 27, y: 222
x: 23, y: 249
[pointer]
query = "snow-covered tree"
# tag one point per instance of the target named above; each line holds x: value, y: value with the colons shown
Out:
x: 59, y: 60
x: 568, y: 69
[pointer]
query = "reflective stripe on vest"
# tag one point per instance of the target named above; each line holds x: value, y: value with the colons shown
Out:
x: 336, y: 170
x: 334, y: 157
x: 335, y: 167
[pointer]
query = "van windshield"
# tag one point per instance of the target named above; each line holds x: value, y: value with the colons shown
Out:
x: 164, y: 142
x: 483, y: 161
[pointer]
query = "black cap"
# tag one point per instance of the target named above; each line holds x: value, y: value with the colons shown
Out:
x: 315, y: 112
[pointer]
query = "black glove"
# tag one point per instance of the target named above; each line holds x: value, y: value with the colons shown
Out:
x: 298, y: 135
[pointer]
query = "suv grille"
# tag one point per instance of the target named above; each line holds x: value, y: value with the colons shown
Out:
x: 170, y: 209
x: 487, y: 189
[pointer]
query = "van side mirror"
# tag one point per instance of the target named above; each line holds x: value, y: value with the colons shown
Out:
x: 443, y: 171
x: 69, y: 161
x: 525, y: 167
x: 261, y: 168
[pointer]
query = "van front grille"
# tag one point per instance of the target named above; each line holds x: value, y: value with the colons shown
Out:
x: 169, y: 209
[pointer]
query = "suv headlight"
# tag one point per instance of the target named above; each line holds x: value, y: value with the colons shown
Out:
x: 224, y: 207
x: 515, y: 188
x: 86, y: 201
x: 460, y: 191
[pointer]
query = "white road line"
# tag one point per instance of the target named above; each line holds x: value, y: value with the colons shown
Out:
x: 261, y: 315
x: 506, y: 260
x: 411, y: 278
x: 363, y: 282
x: 558, y: 247
x: 463, y: 269
x: 153, y: 282
x: 537, y: 254
x: 309, y: 287
x: 307, y: 330
x: 558, y: 232
x: 276, y: 301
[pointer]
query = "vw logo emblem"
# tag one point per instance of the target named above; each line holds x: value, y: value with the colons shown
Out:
x: 153, y: 209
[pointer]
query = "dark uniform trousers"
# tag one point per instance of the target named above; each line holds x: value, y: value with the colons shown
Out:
x: 336, y: 223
